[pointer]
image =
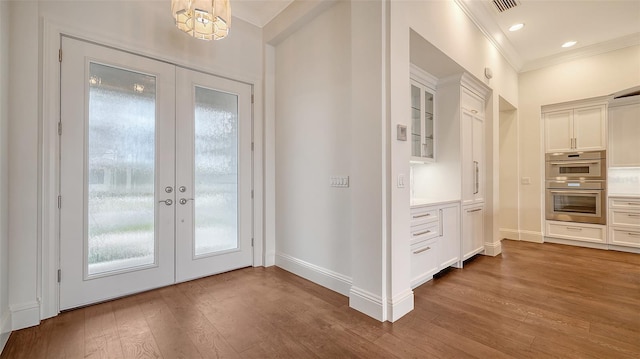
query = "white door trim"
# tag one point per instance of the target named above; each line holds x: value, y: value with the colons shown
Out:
x: 48, y: 241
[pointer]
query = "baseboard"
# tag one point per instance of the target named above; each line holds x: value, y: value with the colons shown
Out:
x: 5, y: 329
x: 492, y: 249
x: 367, y: 303
x: 624, y: 249
x: 322, y: 276
x: 400, y: 305
x: 25, y: 315
x: 575, y: 243
x: 531, y: 236
x: 509, y: 233
x: 270, y: 259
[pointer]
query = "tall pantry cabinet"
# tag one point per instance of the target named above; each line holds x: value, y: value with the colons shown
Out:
x: 462, y: 105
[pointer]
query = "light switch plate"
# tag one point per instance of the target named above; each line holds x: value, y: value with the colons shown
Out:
x: 401, y: 181
x: 525, y: 180
x: 339, y: 181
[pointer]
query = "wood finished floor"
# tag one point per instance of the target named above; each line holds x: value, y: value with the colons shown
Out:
x: 533, y: 301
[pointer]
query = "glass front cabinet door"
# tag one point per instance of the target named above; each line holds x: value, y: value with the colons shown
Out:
x: 422, y: 122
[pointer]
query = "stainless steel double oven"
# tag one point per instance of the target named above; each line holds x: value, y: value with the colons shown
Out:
x: 576, y: 187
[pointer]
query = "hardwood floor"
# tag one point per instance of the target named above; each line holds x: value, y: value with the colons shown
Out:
x: 533, y: 301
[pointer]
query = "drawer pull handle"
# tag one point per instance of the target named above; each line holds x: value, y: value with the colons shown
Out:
x: 633, y: 215
x: 633, y: 234
x: 422, y: 215
x: 574, y: 228
x: 421, y: 233
x: 634, y: 203
x: 474, y: 210
x: 421, y: 250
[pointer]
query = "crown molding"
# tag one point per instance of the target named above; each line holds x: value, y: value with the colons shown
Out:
x: 586, y: 51
x: 480, y: 16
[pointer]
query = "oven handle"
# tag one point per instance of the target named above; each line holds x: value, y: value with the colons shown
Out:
x: 577, y: 191
x: 574, y: 163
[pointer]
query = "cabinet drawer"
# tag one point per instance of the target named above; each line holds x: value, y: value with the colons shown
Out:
x: 423, y: 215
x: 577, y: 231
x: 624, y: 218
x: 424, y: 232
x: 424, y: 261
x: 624, y: 237
x: 624, y: 203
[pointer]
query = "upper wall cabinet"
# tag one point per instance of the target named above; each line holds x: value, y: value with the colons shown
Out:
x: 576, y: 126
x: 624, y: 132
x: 422, y: 116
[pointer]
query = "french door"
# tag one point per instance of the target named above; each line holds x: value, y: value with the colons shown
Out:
x: 155, y: 174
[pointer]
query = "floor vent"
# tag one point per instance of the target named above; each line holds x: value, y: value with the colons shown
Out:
x: 504, y: 5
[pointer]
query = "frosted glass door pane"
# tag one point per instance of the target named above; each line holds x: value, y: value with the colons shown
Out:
x: 120, y: 169
x: 416, y: 122
x: 216, y: 171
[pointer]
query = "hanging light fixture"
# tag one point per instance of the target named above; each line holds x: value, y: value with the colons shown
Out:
x: 202, y: 19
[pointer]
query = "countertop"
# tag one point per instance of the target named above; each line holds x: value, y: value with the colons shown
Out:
x: 424, y: 202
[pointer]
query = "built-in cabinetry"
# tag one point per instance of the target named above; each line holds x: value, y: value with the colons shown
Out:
x: 423, y: 148
x: 472, y: 230
x: 462, y: 102
x: 473, y: 147
x: 575, y: 126
x: 624, y: 132
x: 435, y: 239
x: 583, y: 232
x: 624, y: 221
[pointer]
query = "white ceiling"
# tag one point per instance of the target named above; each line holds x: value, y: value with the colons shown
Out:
x: 597, y: 25
x: 258, y: 12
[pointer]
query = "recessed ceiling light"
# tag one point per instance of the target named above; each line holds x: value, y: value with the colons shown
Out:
x: 516, y: 27
x: 569, y: 43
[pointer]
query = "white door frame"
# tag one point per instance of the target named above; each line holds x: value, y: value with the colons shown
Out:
x: 48, y: 241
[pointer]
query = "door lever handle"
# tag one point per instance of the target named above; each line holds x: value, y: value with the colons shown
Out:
x: 168, y: 202
x: 185, y: 200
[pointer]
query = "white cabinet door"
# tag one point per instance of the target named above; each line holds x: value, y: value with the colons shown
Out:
x: 472, y: 158
x: 478, y: 159
x: 624, y: 134
x: 575, y: 129
x: 450, y: 237
x: 589, y: 128
x: 558, y: 131
x: 472, y: 231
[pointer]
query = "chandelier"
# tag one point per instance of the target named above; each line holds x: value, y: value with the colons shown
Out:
x: 202, y: 19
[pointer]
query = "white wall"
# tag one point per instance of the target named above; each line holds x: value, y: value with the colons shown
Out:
x: 144, y: 27
x: 574, y: 80
x: 5, y: 319
x: 313, y: 142
x: 509, y: 179
x: 24, y: 103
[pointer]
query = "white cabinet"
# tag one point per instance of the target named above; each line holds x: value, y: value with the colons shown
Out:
x: 580, y: 128
x: 583, y: 232
x: 624, y: 132
x: 473, y: 147
x: 472, y: 231
x: 450, y: 243
x: 422, y: 116
x: 435, y: 240
x: 624, y: 221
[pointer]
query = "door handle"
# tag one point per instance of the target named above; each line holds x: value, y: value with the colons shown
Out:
x: 477, y: 177
x: 168, y: 202
x: 185, y: 200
